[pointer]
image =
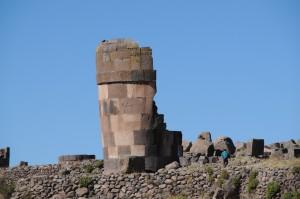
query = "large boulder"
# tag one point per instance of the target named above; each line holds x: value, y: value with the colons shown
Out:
x: 289, y: 149
x: 172, y: 165
x: 186, y: 145
x: 222, y: 143
x: 205, y: 136
x: 293, y: 149
x: 289, y: 144
x: 202, y: 147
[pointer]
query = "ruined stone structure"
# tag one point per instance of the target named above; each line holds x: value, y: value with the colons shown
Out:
x: 134, y: 135
x: 75, y: 158
x: 255, y: 147
x: 4, y: 157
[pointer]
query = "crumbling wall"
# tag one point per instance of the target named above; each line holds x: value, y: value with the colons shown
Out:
x: 4, y: 157
x: 134, y: 135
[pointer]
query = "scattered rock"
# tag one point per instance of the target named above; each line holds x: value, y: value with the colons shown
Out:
x: 173, y: 165
x: 202, y: 147
x: 82, y: 191
x: 205, y: 136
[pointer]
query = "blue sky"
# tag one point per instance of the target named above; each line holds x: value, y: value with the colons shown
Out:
x: 230, y: 67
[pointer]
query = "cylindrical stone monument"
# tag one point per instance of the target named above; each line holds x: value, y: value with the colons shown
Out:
x: 126, y: 85
x: 132, y: 131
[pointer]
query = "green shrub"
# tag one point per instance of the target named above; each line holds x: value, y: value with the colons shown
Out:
x: 296, y: 169
x: 85, y: 181
x: 236, y: 182
x: 209, y: 170
x: 88, y: 168
x: 224, y: 174
x: 210, y: 173
x: 272, y: 189
x: 99, y: 164
x: 6, y: 187
x: 252, y: 182
x: 220, y: 182
x: 291, y: 195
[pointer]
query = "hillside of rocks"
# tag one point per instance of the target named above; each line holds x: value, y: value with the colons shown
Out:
x: 199, y: 173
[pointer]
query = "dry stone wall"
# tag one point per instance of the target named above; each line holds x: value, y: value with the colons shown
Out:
x: 194, y: 181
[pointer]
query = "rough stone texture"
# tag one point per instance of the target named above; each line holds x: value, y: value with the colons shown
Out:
x: 186, y: 145
x: 255, y: 147
x: 240, y: 146
x: 23, y: 164
x: 194, y: 181
x: 203, y: 147
x: 132, y: 129
x: 222, y: 143
x: 173, y: 165
x: 205, y: 136
x: 75, y: 158
x: 4, y: 157
x: 82, y: 191
x: 288, y: 149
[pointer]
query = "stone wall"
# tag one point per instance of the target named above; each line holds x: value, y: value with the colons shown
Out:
x: 195, y: 181
x: 134, y: 135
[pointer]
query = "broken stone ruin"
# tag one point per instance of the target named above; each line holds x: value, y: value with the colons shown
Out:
x: 134, y: 134
x: 4, y: 157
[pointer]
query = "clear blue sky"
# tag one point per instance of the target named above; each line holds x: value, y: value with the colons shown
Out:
x: 230, y: 67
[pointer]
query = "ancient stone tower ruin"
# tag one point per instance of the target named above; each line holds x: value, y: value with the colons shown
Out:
x: 134, y: 135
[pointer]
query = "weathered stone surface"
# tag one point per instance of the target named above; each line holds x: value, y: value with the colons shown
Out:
x: 23, y: 164
x: 183, y: 161
x: 132, y: 130
x: 206, y: 135
x: 4, y: 157
x: 202, y: 147
x: 195, y: 181
x: 82, y: 191
x: 255, y: 147
x: 223, y: 143
x: 72, y: 158
x: 240, y: 146
x: 186, y: 145
x: 294, y: 152
x: 173, y: 165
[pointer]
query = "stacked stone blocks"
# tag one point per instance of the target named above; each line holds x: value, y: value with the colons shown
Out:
x: 132, y: 131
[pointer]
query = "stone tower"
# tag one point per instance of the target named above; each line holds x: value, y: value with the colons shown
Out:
x: 134, y: 135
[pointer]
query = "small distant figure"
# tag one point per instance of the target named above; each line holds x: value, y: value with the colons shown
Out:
x: 225, y: 156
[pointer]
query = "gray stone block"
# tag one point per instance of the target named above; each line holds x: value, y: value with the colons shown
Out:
x: 255, y: 147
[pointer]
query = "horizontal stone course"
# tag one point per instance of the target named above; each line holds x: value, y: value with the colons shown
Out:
x: 138, y: 76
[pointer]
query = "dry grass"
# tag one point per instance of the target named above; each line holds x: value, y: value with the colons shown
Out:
x: 279, y: 163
